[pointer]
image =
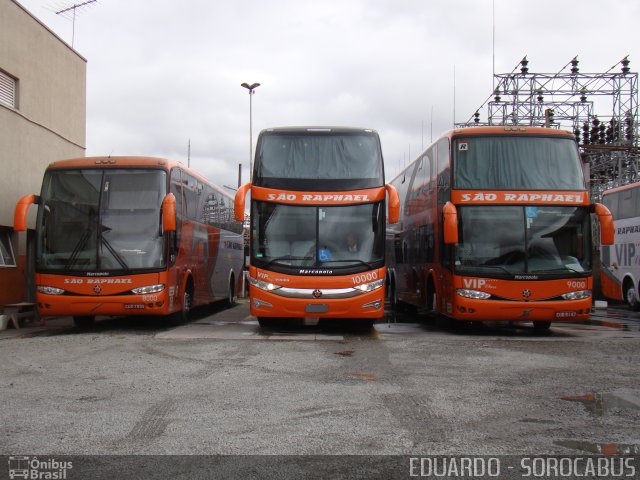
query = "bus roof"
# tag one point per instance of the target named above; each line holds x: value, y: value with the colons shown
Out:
x: 130, y: 161
x: 318, y: 129
x: 121, y: 161
x: 507, y: 130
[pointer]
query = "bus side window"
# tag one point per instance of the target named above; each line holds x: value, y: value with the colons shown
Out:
x: 626, y: 204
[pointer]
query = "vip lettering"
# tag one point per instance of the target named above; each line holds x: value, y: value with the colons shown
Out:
x: 474, y: 283
x: 626, y: 254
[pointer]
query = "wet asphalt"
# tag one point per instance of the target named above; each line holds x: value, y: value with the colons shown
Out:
x: 411, y: 385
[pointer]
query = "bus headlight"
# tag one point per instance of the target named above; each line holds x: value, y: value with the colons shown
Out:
x: 148, y: 289
x: 49, y: 290
x: 370, y: 287
x: 579, y: 295
x: 475, y: 294
x: 262, y: 285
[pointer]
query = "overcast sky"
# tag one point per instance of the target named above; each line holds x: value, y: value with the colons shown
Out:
x: 161, y: 73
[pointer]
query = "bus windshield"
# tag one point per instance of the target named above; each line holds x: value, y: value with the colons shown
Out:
x: 516, y: 240
x: 101, y: 220
x: 354, y: 159
x: 517, y: 163
x: 319, y: 237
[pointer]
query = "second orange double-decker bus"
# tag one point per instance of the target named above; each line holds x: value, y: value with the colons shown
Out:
x: 496, y: 225
x: 318, y: 202
x: 131, y: 236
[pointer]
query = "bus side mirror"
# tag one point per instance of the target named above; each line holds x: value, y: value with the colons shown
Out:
x: 169, y: 213
x: 450, y: 223
x: 607, y: 232
x: 393, y: 205
x: 239, y: 202
x: 20, y: 213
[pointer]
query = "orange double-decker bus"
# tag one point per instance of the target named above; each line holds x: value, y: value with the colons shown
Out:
x: 496, y: 225
x: 131, y: 236
x: 317, y: 224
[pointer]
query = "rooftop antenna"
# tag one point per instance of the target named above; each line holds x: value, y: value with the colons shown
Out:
x: 189, y: 154
x: 69, y: 11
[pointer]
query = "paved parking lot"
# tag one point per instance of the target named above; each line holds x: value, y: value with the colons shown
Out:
x: 411, y: 385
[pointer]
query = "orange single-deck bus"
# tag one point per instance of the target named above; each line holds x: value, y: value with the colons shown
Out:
x: 317, y: 224
x: 620, y: 272
x: 131, y: 236
x: 495, y: 225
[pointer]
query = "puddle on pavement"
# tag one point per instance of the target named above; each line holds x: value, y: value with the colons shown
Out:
x: 599, y: 448
x: 602, y: 403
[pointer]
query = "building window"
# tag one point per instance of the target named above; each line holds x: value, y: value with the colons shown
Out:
x: 6, y: 250
x: 8, y: 90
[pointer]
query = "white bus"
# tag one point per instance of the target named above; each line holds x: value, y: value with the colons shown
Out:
x: 620, y: 273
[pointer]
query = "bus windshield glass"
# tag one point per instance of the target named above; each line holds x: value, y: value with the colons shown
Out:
x: 319, y: 237
x: 101, y: 220
x: 347, y: 160
x: 513, y: 240
x: 517, y: 163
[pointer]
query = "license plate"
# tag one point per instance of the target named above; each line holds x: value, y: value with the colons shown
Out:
x: 136, y: 306
x: 566, y: 314
x: 316, y: 308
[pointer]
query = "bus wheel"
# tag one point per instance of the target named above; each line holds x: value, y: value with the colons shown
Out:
x: 630, y: 295
x: 541, y: 327
x: 267, y: 321
x: 83, y: 321
x: 182, y: 316
x: 393, y: 296
x: 231, y: 294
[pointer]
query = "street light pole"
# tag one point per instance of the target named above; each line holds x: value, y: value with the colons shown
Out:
x: 251, y: 88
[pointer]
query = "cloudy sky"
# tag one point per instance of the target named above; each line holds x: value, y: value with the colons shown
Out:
x: 161, y: 73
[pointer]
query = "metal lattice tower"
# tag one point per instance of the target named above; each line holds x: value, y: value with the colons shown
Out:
x: 601, y: 109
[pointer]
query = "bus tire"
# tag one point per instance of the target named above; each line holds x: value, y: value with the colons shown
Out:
x: 267, y: 321
x: 393, y: 295
x: 231, y: 292
x: 182, y: 316
x: 541, y: 327
x: 83, y: 321
x: 630, y: 295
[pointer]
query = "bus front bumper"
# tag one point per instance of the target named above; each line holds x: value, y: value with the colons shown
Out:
x: 366, y: 305
x: 499, y: 310
x: 71, y: 305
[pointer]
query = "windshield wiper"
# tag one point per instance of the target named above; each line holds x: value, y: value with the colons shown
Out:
x: 357, y: 260
x: 82, y: 242
x: 564, y: 268
x: 484, y: 265
x: 113, y: 252
x: 286, y: 257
